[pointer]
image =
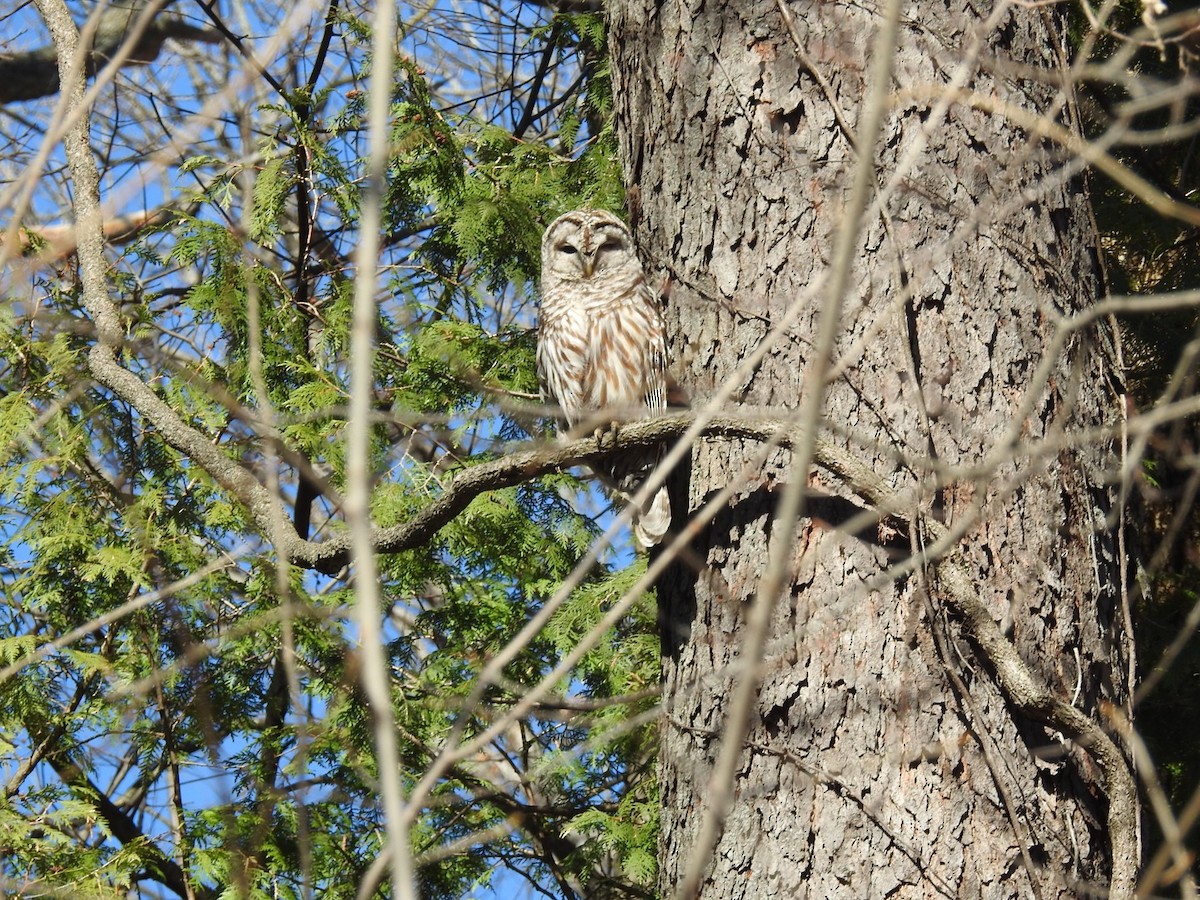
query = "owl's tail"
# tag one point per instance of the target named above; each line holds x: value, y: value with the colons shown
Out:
x: 623, y: 475
x: 651, y: 524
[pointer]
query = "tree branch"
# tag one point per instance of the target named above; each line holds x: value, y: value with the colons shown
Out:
x: 570, y: 6
x: 535, y: 87
x: 1020, y: 685
x: 46, y: 245
x: 119, y: 823
x: 34, y: 73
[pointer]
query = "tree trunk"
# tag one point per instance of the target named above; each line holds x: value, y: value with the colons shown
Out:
x: 884, y: 757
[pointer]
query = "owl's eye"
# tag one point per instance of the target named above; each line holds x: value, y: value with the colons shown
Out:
x: 568, y: 249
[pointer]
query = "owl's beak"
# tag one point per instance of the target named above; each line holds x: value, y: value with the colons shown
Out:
x: 589, y: 264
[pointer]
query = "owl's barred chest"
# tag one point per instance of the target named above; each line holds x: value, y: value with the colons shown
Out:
x: 601, y: 341
x: 591, y: 323
x: 595, y: 301
x: 615, y: 334
x: 602, y: 359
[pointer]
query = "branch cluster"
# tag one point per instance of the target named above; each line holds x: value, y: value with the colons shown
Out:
x: 34, y: 73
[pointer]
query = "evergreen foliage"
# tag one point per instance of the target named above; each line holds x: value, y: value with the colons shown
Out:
x: 209, y: 688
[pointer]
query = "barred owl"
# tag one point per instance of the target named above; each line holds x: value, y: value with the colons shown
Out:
x: 601, y: 353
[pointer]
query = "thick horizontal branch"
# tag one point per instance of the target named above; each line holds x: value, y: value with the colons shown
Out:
x: 514, y: 468
x: 523, y: 465
x: 29, y: 74
x: 46, y: 245
x: 1020, y: 685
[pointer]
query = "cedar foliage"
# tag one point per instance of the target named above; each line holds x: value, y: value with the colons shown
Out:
x: 237, y: 311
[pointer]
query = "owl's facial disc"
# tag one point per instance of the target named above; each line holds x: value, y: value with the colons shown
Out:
x: 585, y: 248
x: 600, y: 252
x: 571, y: 257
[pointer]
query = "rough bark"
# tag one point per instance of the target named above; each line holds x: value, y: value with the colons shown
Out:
x: 885, y: 757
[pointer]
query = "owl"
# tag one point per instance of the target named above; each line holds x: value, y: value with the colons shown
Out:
x: 601, y: 353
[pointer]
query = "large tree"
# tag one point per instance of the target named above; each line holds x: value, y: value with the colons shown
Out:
x: 874, y: 228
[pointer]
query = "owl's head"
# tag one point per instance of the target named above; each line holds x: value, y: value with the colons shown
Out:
x: 587, y: 243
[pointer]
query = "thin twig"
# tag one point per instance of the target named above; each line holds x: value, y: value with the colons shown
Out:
x: 376, y: 671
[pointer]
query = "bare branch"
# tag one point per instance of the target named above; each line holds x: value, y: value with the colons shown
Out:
x: 34, y: 73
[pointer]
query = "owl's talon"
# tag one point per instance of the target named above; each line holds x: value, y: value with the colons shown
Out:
x: 602, y: 431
